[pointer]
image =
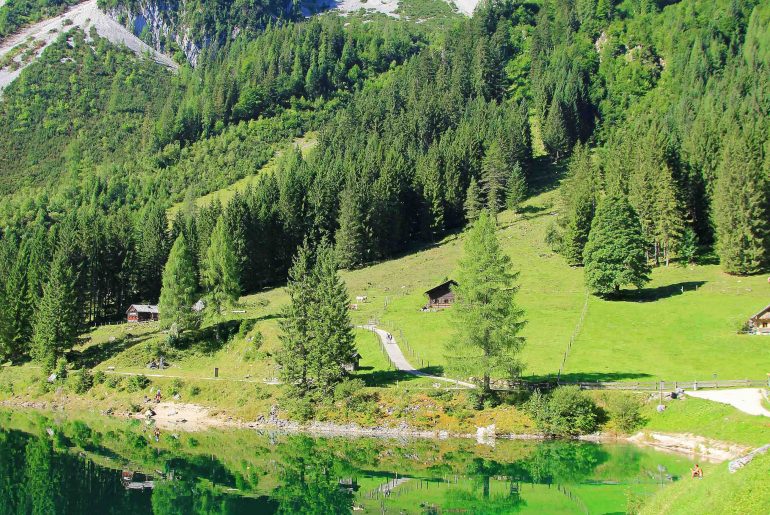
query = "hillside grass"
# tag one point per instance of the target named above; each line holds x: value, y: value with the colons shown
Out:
x: 746, y: 491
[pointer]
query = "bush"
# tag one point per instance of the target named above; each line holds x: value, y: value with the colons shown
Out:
x: 194, y: 390
x: 137, y: 383
x: 113, y: 381
x: 625, y: 412
x: 348, y: 389
x: 99, y: 377
x: 61, y: 369
x: 299, y: 408
x: 82, y: 381
x: 176, y: 387
x: 565, y: 412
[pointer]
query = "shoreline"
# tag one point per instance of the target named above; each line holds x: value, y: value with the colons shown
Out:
x: 191, y: 418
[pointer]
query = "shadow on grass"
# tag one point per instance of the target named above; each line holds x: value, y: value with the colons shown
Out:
x: 101, y: 352
x: 657, y: 293
x: 591, y: 377
x: 389, y: 377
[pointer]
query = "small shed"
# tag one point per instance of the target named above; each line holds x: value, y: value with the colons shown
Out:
x: 760, y: 323
x: 353, y: 364
x: 441, y: 296
x: 142, y: 313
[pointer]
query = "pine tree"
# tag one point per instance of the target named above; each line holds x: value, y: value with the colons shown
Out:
x: 669, y: 227
x: 473, y: 201
x: 56, y: 321
x: 351, y: 236
x: 578, y: 204
x: 554, y: 133
x: 296, y: 326
x: 741, y: 210
x: 332, y: 344
x: 494, y: 172
x: 615, y: 252
x: 179, y: 288
x: 515, y: 188
x: 485, y: 311
x: 152, y: 249
x: 220, y: 270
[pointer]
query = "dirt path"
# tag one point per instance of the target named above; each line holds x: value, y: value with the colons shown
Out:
x: 86, y: 16
x: 748, y: 400
x: 400, y: 361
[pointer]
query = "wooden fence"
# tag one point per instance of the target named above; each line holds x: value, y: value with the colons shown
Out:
x: 639, y: 386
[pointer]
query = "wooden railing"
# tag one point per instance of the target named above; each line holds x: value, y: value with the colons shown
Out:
x: 638, y: 385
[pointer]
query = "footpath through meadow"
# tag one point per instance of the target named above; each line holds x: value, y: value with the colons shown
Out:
x: 401, y: 363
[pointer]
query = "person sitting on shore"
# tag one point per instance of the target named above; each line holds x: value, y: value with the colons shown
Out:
x: 697, y: 472
x: 158, y: 396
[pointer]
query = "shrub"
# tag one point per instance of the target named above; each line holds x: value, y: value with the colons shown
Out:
x: 176, y: 387
x: 194, y: 390
x: 113, y: 381
x: 625, y: 412
x: 566, y: 412
x: 82, y: 381
x: 137, y: 383
x: 99, y: 377
x: 348, y: 389
x: 61, y: 369
x: 299, y: 408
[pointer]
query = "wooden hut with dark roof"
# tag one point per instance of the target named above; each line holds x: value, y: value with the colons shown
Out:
x: 441, y: 296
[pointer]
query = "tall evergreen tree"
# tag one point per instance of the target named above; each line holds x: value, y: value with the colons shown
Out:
x: 153, y: 248
x: 485, y: 311
x: 741, y: 210
x: 179, y: 288
x: 474, y: 203
x: 296, y: 326
x: 56, y: 319
x: 670, y: 225
x: 554, y: 132
x: 332, y: 344
x: 351, y: 236
x: 615, y: 252
x: 578, y: 204
x: 220, y: 270
x: 515, y: 188
x: 494, y: 172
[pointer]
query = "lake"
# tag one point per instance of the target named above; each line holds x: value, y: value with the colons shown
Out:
x: 56, y: 464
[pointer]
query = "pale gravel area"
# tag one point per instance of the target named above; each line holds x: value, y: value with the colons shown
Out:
x: 466, y: 6
x: 748, y: 400
x: 85, y: 15
x: 705, y: 449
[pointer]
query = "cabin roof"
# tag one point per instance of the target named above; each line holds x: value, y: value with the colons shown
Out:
x: 143, y: 308
x: 761, y: 312
x: 441, y: 287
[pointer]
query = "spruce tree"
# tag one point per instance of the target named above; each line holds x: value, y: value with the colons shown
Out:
x: 741, y: 210
x: 487, y: 317
x: 296, y: 327
x: 152, y: 249
x: 56, y: 321
x: 669, y: 227
x: 554, y: 132
x: 615, y: 252
x: 220, y: 270
x: 180, y: 286
x: 332, y: 343
x: 494, y: 172
x: 578, y: 204
x: 351, y: 236
x: 474, y: 204
x: 516, y: 188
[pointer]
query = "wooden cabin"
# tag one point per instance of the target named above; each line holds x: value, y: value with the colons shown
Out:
x: 441, y: 296
x: 760, y: 323
x: 142, y: 313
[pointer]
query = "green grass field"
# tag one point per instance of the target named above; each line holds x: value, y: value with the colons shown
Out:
x: 682, y: 326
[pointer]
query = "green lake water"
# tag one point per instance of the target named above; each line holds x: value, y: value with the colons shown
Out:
x: 55, y: 464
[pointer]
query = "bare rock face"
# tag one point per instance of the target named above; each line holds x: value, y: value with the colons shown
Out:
x: 159, y: 19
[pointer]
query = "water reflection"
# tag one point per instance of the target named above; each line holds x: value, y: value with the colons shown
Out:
x: 111, y: 466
